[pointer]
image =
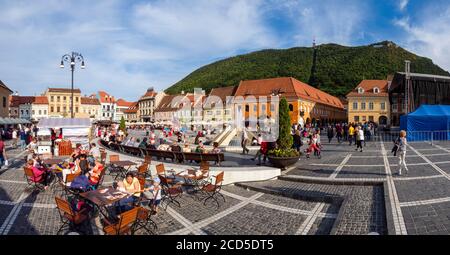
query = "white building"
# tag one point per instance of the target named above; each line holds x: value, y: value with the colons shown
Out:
x: 32, y: 107
x: 122, y: 105
x: 108, y: 106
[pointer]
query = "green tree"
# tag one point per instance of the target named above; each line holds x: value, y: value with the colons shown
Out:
x: 285, y: 139
x: 122, y: 125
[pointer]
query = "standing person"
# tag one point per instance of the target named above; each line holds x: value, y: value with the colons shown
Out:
x: 35, y: 130
x: 23, y: 138
x: 3, y: 157
x: 330, y: 133
x: 359, y: 133
x: 244, y: 141
x: 339, y: 133
x: 351, y: 132
x: 297, y: 140
x: 402, y: 152
x: 261, y: 152
x: 14, y: 138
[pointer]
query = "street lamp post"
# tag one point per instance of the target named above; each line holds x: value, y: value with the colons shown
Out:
x: 72, y: 59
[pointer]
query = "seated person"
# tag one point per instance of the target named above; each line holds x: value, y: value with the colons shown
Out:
x: 94, y: 153
x: 82, y: 164
x: 131, y: 185
x: 94, y: 174
x: 32, y: 146
x: 164, y: 147
x: 215, y: 149
x: 200, y: 148
x: 76, y: 153
x: 151, y: 146
x: 186, y: 148
x: 175, y: 147
x: 65, y: 169
x: 40, y: 174
x: 153, y: 192
x: 143, y: 144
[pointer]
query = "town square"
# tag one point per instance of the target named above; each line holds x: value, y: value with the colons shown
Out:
x: 142, y: 129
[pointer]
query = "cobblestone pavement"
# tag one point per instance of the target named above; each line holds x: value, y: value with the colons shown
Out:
x: 345, y: 192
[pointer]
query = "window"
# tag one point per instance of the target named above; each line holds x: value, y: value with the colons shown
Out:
x: 255, y: 108
x: 355, y: 106
x: 218, y: 112
x: 45, y: 112
x: 376, y: 90
x: 103, y: 114
x: 364, y: 118
x: 52, y: 109
x: 76, y: 99
x: 360, y: 90
x: 371, y: 118
x: 32, y: 112
x: 76, y: 109
x: 58, y: 99
x: 64, y: 108
x: 64, y: 98
x: 370, y: 105
x: 394, y: 107
x: 383, y: 106
x: 363, y: 105
x: 356, y: 118
x: 263, y: 108
x: 247, y: 108
x: 52, y: 99
x: 4, y: 102
x: 291, y: 108
x: 21, y: 112
x: 227, y: 112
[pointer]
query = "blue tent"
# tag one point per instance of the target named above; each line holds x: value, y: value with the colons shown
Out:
x: 427, y: 118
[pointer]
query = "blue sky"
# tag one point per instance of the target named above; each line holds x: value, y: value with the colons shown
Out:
x: 132, y: 45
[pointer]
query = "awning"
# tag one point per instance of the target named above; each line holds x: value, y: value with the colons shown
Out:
x: 13, y: 121
x: 64, y: 123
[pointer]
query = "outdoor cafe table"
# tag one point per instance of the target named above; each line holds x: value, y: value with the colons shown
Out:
x: 54, y: 161
x: 104, y: 197
x: 124, y: 167
x: 191, y: 179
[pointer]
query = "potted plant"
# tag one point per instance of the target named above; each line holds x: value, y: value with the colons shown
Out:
x: 284, y: 155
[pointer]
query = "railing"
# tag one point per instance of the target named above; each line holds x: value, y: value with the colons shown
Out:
x: 414, y: 136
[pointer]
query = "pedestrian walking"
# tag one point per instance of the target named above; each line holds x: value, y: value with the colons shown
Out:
x: 330, y: 133
x: 402, y: 152
x: 359, y: 133
x: 244, y: 141
x: 351, y: 132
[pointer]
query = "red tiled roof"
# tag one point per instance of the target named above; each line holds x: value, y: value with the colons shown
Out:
x: 124, y: 103
x: 133, y: 108
x: 15, y: 101
x: 149, y: 93
x: 105, y: 97
x: 223, y: 92
x: 90, y: 100
x: 368, y: 87
x: 63, y: 90
x: 166, y: 104
x: 289, y: 88
x: 3, y: 85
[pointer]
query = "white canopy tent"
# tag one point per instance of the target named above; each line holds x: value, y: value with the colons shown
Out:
x: 76, y: 130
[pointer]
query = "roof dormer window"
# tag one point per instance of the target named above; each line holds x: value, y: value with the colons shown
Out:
x: 360, y: 90
x: 376, y: 90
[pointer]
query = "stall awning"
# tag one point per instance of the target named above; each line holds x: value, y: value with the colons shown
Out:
x: 64, y: 123
x: 12, y: 121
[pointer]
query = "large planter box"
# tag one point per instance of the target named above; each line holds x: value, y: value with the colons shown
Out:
x: 283, y: 163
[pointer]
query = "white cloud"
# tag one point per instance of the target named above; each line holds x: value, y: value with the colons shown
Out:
x: 403, y: 4
x: 429, y: 34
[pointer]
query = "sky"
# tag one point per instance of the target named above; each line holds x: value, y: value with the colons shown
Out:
x: 129, y: 46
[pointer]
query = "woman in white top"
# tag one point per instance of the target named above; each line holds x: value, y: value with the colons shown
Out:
x: 359, y: 132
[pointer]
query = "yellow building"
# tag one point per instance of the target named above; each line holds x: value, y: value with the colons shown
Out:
x: 369, y: 102
x: 306, y: 103
x: 59, y: 102
x: 5, y: 94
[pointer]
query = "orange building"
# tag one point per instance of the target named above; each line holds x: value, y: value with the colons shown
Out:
x: 306, y: 103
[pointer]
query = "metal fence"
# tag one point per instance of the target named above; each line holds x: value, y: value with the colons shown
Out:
x: 414, y: 136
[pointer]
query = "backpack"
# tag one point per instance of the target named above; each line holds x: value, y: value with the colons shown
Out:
x: 81, y: 183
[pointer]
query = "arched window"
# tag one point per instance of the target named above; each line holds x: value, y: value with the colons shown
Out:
x: 360, y: 90
x: 376, y: 90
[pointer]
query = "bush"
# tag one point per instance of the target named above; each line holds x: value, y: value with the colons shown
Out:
x: 285, y: 139
x: 284, y: 153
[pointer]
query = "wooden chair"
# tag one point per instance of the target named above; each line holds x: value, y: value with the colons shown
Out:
x: 65, y: 148
x: 143, y: 170
x: 114, y: 170
x: 103, y: 156
x: 66, y: 184
x: 68, y: 216
x: 170, y: 192
x: 144, y: 220
x: 30, y: 177
x: 125, y: 224
x: 148, y: 159
x: 161, y: 170
x: 204, y: 165
x: 213, y: 190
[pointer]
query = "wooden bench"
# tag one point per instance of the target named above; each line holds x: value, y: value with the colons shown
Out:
x: 132, y: 150
x: 161, y: 154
